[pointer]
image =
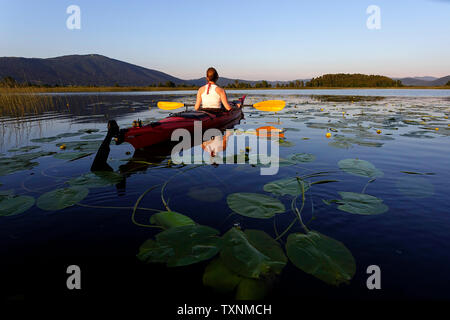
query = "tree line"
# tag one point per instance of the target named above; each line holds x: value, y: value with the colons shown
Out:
x: 352, y: 81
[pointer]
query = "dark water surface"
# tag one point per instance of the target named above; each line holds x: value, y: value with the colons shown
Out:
x: 410, y: 242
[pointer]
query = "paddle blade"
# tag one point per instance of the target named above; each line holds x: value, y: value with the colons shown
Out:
x: 269, y: 131
x: 270, y: 105
x: 166, y: 105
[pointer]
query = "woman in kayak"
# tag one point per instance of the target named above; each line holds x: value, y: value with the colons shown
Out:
x: 212, y: 97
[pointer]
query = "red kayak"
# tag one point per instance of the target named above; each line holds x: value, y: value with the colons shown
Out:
x: 160, y: 131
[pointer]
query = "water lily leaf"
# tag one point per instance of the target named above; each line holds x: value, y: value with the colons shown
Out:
x: 285, y: 143
x: 302, y: 157
x: 360, y: 203
x: 181, y: 246
x: 69, y: 134
x: 24, y: 149
x: 255, y: 205
x: 84, y: 146
x: 97, y: 179
x: 32, y: 155
x: 44, y: 139
x: 323, y: 257
x: 287, y: 186
x: 252, y: 289
x: 12, y: 205
x: 219, y: 277
x: 252, y: 253
x: 415, y: 187
x: 360, y: 168
x: 71, y: 156
x: 205, y: 194
x: 170, y: 219
x: 61, y: 198
x: 12, y: 165
x: 92, y: 137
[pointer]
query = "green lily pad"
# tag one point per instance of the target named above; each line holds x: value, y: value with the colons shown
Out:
x: 44, y: 139
x: 92, y: 137
x: 415, y: 187
x: 97, y: 179
x: 61, y: 198
x: 255, y: 205
x: 84, y: 146
x: 24, y: 149
x: 181, y: 246
x: 12, y: 165
x: 287, y: 186
x: 323, y: 257
x: 12, y: 205
x: 205, y: 194
x: 69, y: 134
x: 360, y: 168
x: 170, y: 219
x: 88, y: 130
x: 33, y: 155
x: 302, y: 157
x: 360, y: 203
x: 71, y: 156
x: 252, y: 289
x: 252, y: 253
x: 285, y: 143
x: 219, y: 277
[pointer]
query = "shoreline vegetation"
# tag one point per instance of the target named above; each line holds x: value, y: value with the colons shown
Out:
x: 9, y: 85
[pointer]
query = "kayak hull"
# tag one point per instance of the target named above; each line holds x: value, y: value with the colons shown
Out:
x: 161, y: 131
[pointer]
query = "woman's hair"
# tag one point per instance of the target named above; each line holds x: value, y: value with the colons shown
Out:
x: 212, y: 75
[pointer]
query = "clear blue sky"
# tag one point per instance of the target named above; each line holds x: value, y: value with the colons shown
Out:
x: 250, y: 39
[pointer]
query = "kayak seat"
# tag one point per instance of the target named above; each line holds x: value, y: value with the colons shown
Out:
x: 190, y: 115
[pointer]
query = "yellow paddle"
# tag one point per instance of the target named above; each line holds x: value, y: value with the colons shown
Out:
x: 270, y: 105
x: 166, y: 105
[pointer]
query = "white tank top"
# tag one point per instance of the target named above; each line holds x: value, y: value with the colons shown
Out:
x: 210, y: 98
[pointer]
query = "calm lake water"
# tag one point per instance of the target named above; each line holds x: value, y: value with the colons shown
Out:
x: 404, y: 231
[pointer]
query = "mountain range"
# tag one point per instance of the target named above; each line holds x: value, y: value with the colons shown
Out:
x: 98, y: 70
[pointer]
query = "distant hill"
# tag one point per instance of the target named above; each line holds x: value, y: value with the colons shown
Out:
x: 425, y: 81
x: 92, y: 69
x: 227, y: 81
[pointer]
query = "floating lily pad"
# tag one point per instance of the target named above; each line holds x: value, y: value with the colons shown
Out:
x: 302, y: 157
x: 219, y: 277
x: 88, y: 130
x: 360, y: 203
x: 12, y: 205
x: 287, y: 186
x: 252, y: 289
x: 360, y: 168
x: 205, y: 194
x: 323, y: 257
x: 255, y: 205
x: 69, y: 134
x: 24, y: 149
x: 252, y: 253
x: 415, y: 187
x: 170, y: 219
x: 97, y: 179
x: 84, y: 146
x: 285, y: 143
x: 71, y: 156
x: 61, y: 198
x: 12, y: 165
x: 181, y: 246
x: 92, y: 137
x: 44, y: 139
x: 33, y: 155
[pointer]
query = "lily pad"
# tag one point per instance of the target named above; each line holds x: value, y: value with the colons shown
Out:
x: 360, y: 168
x: 24, y: 149
x: 61, y: 198
x: 97, y: 179
x: 170, y: 219
x: 323, y: 257
x: 69, y: 134
x: 205, y: 194
x: 12, y: 205
x: 255, y: 205
x: 252, y: 289
x: 88, y: 130
x: 415, y: 187
x: 219, y: 277
x: 92, y: 137
x: 287, y: 186
x: 360, y: 203
x: 44, y: 139
x: 252, y: 253
x: 181, y: 246
x: 71, y: 156
x: 302, y: 157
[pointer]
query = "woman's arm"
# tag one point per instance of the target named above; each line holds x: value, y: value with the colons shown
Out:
x: 199, y: 99
x: 223, y: 97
